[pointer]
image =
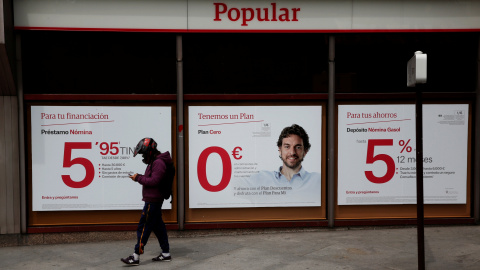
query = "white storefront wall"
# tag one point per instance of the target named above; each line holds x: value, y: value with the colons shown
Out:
x: 259, y: 15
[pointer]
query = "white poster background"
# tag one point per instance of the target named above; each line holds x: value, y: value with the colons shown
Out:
x: 119, y: 128
x: 253, y: 131
x: 445, y: 139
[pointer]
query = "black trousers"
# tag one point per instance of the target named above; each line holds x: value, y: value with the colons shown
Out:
x: 151, y: 220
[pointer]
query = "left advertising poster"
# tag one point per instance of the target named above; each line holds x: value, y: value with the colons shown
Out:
x: 82, y: 155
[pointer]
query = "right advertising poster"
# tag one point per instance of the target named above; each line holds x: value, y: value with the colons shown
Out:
x: 377, y: 154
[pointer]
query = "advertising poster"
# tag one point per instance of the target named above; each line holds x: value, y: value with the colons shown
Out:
x: 81, y: 155
x: 377, y: 154
x: 234, y: 160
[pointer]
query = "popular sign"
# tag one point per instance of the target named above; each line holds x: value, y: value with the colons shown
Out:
x: 247, y: 15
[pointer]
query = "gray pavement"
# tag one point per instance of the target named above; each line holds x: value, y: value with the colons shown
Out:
x: 456, y: 247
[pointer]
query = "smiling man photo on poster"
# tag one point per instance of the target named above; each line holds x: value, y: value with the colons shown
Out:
x: 291, y: 178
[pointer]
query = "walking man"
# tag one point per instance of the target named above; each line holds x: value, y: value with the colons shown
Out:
x: 157, y: 170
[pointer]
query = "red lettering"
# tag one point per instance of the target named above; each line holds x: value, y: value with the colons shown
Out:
x: 202, y: 169
x: 230, y: 14
x: 259, y: 15
x: 244, y: 15
x: 86, y: 163
x: 218, y: 12
x: 284, y: 17
x: 274, y: 12
x: 247, y: 14
x: 294, y: 10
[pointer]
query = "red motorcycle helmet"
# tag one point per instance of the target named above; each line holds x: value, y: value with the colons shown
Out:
x: 145, y: 146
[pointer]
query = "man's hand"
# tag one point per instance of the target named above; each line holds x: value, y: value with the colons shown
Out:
x: 133, y: 177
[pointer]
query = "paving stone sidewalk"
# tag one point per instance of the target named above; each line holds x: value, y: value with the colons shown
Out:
x: 456, y: 247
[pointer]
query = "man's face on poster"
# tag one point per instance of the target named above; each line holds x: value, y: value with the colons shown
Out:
x: 292, y: 151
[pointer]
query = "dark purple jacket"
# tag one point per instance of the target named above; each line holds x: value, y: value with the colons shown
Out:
x: 154, y: 173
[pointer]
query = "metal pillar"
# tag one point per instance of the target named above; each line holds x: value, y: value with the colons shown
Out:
x: 476, y: 166
x: 331, y: 133
x: 419, y: 169
x: 180, y: 139
x: 21, y: 138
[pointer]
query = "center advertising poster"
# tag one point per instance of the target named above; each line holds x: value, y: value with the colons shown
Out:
x: 82, y: 155
x: 377, y: 154
x: 234, y: 160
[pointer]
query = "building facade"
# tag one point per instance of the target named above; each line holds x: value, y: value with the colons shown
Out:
x: 214, y: 82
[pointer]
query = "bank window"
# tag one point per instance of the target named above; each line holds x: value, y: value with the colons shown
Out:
x: 376, y: 63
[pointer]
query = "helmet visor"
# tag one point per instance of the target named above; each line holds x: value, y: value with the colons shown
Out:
x: 140, y: 148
